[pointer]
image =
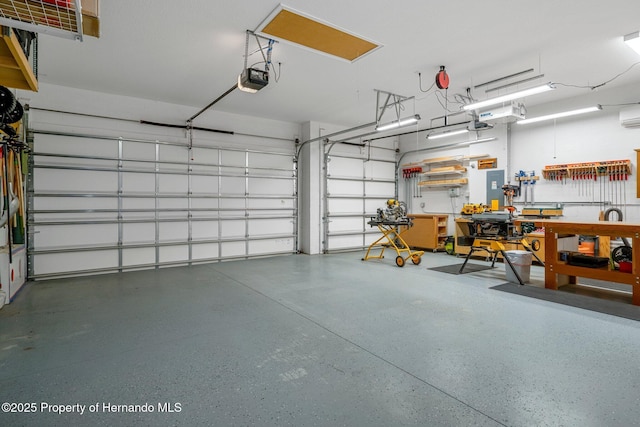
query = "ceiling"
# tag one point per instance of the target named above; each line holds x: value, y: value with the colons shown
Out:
x: 189, y: 53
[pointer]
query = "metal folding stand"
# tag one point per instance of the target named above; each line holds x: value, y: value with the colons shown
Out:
x: 391, y: 237
x: 494, y: 247
x: 531, y: 247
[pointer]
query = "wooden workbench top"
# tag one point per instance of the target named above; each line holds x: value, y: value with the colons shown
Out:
x: 610, y: 228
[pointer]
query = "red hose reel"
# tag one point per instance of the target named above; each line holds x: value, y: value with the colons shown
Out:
x: 442, y: 78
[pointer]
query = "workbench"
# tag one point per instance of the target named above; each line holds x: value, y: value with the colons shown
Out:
x: 554, y: 266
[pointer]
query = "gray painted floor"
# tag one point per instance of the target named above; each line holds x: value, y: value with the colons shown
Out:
x: 313, y: 341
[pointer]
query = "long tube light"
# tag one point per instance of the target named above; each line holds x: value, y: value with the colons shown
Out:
x: 562, y: 114
x: 509, y: 97
x: 633, y: 41
x: 445, y: 134
x: 398, y: 123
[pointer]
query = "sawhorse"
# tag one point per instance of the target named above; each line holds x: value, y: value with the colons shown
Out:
x: 494, y: 247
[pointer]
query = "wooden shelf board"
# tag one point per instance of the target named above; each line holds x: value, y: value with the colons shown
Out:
x: 15, y: 71
x: 594, y: 273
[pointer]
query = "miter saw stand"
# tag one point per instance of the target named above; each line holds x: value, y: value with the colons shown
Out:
x: 390, y: 221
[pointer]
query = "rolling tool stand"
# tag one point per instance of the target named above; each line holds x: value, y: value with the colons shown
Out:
x: 389, y: 221
x: 390, y: 233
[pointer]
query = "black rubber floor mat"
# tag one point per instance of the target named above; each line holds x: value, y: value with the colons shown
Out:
x: 593, y: 303
x: 455, y: 268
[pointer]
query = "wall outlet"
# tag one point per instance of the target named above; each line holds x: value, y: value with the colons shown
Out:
x: 454, y: 192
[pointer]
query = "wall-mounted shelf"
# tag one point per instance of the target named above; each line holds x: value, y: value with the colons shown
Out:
x: 453, y: 182
x: 69, y: 19
x: 448, y: 172
x: 15, y: 69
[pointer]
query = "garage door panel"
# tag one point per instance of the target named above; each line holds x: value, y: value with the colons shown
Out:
x: 54, y: 236
x: 64, y: 203
x: 261, y: 247
x: 173, y: 254
x: 154, y: 203
x: 57, y: 263
x: 61, y: 181
x: 170, y: 231
x: 344, y: 188
x: 204, y: 155
x: 205, y: 251
x: 263, y: 227
x: 204, y: 184
x: 139, y: 233
x: 138, y: 256
x: 233, y: 249
x: 357, y: 183
x: 232, y: 185
x: 267, y: 186
x: 346, y: 224
x: 379, y: 170
x: 340, y: 206
x: 137, y: 182
x: 233, y: 158
x: 205, y: 230
x: 233, y: 228
x: 380, y: 189
x: 169, y: 184
x: 63, y: 145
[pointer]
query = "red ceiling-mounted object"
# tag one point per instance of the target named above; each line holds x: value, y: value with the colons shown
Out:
x: 442, y: 78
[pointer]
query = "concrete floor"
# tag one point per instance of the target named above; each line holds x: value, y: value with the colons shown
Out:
x: 313, y: 341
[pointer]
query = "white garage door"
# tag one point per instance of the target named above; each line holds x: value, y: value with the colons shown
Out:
x: 100, y: 203
x: 358, y: 181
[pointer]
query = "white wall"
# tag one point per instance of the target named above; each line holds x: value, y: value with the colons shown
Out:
x: 310, y: 194
x: 437, y: 199
x: 250, y: 131
x: 588, y: 138
x: 592, y: 137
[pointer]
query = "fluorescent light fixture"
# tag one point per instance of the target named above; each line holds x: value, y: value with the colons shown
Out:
x: 633, y: 41
x: 445, y: 134
x: 509, y: 97
x: 558, y: 115
x: 398, y: 123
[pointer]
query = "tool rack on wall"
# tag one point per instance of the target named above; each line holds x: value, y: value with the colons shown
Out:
x: 614, y: 170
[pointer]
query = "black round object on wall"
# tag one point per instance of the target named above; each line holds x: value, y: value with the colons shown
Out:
x: 16, y: 114
x: 7, y: 100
